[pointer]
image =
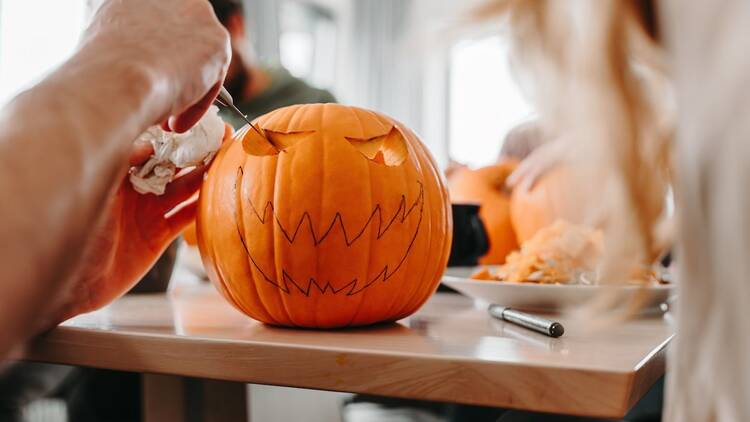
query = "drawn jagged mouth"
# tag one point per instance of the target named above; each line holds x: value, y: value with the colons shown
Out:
x: 288, y: 284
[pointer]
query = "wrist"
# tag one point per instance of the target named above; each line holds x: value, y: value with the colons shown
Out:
x: 126, y: 80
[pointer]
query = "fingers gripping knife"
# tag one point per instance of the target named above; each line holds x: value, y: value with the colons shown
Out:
x: 224, y: 99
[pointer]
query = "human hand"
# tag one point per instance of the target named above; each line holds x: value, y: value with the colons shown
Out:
x: 539, y: 162
x: 135, y: 232
x: 179, y: 42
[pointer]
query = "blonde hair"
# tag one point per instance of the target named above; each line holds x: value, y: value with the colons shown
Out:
x: 595, y: 72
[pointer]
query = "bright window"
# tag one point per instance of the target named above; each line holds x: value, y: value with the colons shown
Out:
x: 36, y: 36
x: 307, y: 42
x: 485, y: 102
x: 297, y: 49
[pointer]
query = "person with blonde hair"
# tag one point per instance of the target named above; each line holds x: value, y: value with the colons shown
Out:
x: 649, y: 91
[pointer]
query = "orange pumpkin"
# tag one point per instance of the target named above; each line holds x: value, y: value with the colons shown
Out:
x: 189, y: 234
x: 336, y: 216
x: 549, y: 200
x: 485, y: 186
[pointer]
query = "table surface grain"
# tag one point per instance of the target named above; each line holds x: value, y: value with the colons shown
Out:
x: 449, y: 351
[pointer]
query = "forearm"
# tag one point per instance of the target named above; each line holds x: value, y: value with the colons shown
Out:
x: 63, y: 147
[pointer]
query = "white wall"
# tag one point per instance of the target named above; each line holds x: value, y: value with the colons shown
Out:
x: 35, y: 36
x: 393, y: 57
x: 280, y: 404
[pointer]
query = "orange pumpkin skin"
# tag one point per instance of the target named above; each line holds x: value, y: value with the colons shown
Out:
x: 549, y: 200
x: 189, y: 235
x: 349, y: 224
x: 485, y: 186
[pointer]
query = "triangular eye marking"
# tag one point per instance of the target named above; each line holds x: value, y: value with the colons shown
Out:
x: 255, y: 144
x: 282, y: 141
x: 273, y: 143
x: 389, y: 149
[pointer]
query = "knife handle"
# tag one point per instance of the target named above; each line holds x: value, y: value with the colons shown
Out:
x: 532, y: 322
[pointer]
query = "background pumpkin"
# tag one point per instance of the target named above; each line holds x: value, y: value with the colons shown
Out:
x: 486, y: 186
x: 547, y: 201
x: 337, y: 217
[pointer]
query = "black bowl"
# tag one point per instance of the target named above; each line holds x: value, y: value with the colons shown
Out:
x: 470, y: 240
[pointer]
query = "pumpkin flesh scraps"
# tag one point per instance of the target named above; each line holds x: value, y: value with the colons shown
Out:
x: 562, y: 253
x: 557, y: 254
x: 175, y: 151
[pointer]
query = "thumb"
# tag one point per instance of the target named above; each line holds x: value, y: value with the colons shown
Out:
x: 193, y: 114
x: 181, y: 217
x: 140, y: 152
x: 181, y: 189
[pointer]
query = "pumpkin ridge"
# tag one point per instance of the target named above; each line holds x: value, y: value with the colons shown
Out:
x: 361, y: 125
x: 363, y: 297
x: 297, y: 114
x: 221, y: 279
x: 400, y: 300
x: 240, y: 233
x: 388, y: 275
x: 387, y: 123
x: 387, y: 127
x: 384, y: 274
x: 426, y: 164
x: 286, y: 306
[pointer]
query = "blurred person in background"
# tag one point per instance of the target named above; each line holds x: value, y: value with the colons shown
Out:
x: 517, y: 144
x: 537, y: 152
x: 257, y: 89
x: 522, y: 140
x: 650, y: 90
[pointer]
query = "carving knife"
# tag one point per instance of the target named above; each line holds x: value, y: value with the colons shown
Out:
x: 224, y: 99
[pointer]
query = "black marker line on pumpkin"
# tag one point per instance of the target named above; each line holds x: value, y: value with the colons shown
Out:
x: 384, y: 274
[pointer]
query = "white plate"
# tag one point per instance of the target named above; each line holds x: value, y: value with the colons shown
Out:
x: 547, y: 297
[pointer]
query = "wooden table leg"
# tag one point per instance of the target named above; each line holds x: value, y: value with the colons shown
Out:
x: 224, y: 401
x: 163, y: 398
x: 175, y: 398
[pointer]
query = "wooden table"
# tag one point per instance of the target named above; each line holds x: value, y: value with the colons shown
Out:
x: 449, y: 351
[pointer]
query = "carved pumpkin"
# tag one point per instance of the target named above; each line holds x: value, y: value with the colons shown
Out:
x: 549, y: 200
x: 486, y: 187
x: 336, y: 216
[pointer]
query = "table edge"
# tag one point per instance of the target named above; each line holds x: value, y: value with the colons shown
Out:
x: 58, y: 346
